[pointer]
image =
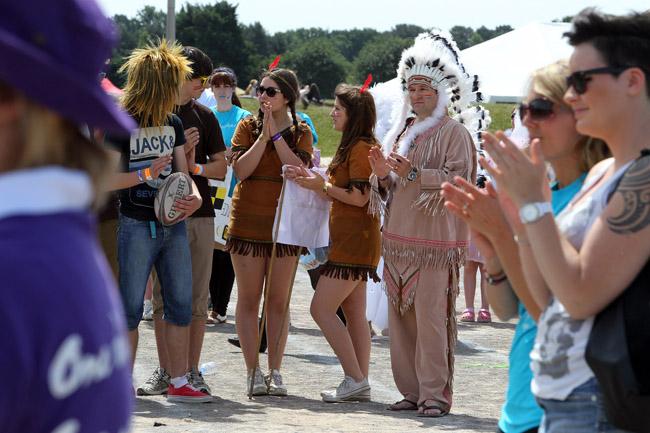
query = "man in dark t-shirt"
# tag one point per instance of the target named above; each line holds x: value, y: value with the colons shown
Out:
x: 204, y: 152
x: 153, y: 151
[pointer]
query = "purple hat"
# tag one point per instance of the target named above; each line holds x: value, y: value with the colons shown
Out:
x: 53, y: 51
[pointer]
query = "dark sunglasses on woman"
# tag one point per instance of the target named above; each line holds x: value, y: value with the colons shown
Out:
x: 537, y: 109
x: 579, y: 79
x: 270, y: 91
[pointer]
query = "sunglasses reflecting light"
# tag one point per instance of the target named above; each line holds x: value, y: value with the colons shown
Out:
x: 579, y: 79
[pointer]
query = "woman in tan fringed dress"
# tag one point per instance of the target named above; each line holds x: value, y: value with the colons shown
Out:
x: 260, y: 148
x: 423, y: 246
x: 354, y: 242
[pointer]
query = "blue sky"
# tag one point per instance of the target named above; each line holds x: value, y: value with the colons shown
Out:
x: 282, y: 15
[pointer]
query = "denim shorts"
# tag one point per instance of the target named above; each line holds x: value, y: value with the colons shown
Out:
x: 142, y: 245
x: 583, y: 411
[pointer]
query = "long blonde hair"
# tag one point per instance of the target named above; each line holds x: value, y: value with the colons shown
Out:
x: 550, y: 82
x: 155, y: 74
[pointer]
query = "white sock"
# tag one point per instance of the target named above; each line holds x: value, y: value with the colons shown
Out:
x: 179, y: 382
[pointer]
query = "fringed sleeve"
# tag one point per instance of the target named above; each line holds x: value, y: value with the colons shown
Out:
x: 304, y: 147
x: 378, y: 196
x: 242, y: 139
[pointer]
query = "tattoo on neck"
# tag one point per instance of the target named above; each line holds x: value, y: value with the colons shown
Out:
x: 635, y: 192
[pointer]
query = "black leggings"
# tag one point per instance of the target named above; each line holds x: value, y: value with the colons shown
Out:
x: 221, y: 281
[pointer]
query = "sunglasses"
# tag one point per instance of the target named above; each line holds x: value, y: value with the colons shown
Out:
x: 205, y: 81
x: 537, y: 109
x: 579, y: 79
x: 270, y: 91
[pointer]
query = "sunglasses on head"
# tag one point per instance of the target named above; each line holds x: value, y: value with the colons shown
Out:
x: 537, y: 109
x: 270, y: 91
x: 579, y: 79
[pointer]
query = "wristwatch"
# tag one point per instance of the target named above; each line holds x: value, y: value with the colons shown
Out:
x: 531, y: 212
x: 412, y: 175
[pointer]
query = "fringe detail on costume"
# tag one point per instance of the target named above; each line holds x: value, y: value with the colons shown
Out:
x: 349, y: 272
x: 304, y: 157
x: 237, y: 152
x: 395, y: 286
x: 361, y: 185
x: 376, y: 205
x: 431, y: 203
x: 260, y: 248
x: 452, y: 327
x: 423, y: 256
x: 401, y: 305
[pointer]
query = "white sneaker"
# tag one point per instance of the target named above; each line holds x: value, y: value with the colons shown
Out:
x: 274, y: 383
x: 259, y: 384
x: 147, y: 313
x: 348, y: 390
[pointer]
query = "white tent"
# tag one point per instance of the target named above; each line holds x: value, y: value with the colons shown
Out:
x: 505, y: 63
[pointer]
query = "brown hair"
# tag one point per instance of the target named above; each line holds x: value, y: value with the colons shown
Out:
x: 550, y: 82
x: 361, y: 118
x: 288, y: 83
x: 227, y: 79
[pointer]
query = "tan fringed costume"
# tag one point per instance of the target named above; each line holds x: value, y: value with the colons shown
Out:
x: 354, y: 234
x: 423, y: 247
x: 256, y: 197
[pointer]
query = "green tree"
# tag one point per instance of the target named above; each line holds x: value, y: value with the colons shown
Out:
x: 214, y: 29
x: 380, y: 58
x: 406, y: 31
x: 318, y: 61
x: 463, y: 36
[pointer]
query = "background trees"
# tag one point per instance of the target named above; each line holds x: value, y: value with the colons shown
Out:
x: 317, y: 55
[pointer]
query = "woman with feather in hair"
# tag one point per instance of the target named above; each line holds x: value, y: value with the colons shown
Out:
x: 260, y: 147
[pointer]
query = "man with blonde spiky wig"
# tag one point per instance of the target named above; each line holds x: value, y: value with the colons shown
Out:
x: 152, y: 152
x: 423, y: 245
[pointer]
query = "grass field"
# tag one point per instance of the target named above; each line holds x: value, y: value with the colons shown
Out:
x: 328, y: 138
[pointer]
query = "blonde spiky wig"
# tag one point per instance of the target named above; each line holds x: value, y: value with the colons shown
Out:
x: 155, y: 74
x: 434, y: 59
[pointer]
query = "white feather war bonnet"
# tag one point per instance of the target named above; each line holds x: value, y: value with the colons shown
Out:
x: 434, y: 56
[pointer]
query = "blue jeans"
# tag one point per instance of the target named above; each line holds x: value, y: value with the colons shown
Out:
x: 583, y: 411
x: 142, y: 245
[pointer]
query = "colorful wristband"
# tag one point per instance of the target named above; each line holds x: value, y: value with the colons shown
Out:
x: 198, y: 169
x: 147, y: 174
x: 276, y: 137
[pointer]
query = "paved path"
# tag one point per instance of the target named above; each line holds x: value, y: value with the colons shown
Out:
x: 310, y: 366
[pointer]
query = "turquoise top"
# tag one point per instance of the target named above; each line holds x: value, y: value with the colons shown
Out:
x: 307, y: 119
x: 228, y: 121
x: 520, y: 411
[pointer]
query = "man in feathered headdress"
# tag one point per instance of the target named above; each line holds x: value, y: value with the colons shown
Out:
x: 424, y: 246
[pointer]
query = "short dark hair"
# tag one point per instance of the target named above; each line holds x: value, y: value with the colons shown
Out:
x: 622, y: 40
x: 201, y: 63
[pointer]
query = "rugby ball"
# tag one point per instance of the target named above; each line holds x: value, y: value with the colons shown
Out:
x: 177, y: 185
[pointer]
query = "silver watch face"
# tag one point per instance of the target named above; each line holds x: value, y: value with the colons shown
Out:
x: 412, y: 175
x: 529, y: 213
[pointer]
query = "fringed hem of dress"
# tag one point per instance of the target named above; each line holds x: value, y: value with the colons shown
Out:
x: 344, y: 271
x: 428, y: 254
x: 247, y: 247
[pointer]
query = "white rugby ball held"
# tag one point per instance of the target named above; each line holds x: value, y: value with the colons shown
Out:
x: 176, y: 186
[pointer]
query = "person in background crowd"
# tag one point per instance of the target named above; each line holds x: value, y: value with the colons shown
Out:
x: 228, y: 111
x: 51, y: 177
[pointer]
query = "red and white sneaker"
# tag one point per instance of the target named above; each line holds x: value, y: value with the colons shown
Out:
x: 187, y: 394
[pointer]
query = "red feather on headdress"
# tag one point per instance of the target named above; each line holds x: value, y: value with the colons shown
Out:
x: 274, y: 63
x: 366, y: 84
